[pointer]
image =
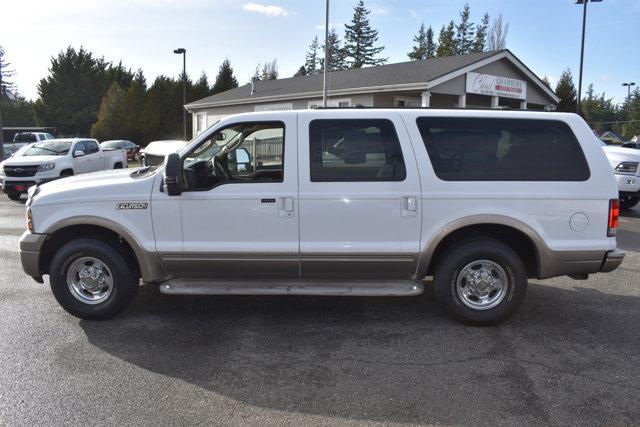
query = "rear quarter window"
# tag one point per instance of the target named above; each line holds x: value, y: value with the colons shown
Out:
x: 479, y: 149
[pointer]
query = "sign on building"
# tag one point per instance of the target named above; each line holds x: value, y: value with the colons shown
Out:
x: 486, y: 84
x: 285, y: 106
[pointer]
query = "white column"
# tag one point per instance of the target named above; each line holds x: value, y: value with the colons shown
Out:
x: 462, y: 101
x: 523, y: 105
x: 495, y: 102
x: 426, y: 99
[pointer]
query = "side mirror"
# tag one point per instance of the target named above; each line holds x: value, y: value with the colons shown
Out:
x: 173, y: 175
x: 78, y: 153
x: 242, y: 155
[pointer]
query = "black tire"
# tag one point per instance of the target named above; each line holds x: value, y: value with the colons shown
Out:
x: 65, y: 173
x: 118, y: 165
x: 455, y: 260
x: 628, y: 202
x: 14, y: 196
x: 125, y: 282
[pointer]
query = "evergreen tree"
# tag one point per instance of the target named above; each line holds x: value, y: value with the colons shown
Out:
x: 631, y: 115
x: 598, y: 110
x: 419, y: 50
x: 360, y: 40
x: 110, y: 123
x: 225, y: 79
x: 480, y: 41
x: 17, y: 113
x: 337, y: 53
x: 134, y: 103
x: 464, y: 37
x: 546, y: 81
x: 302, y: 71
x: 312, y: 59
x: 200, y: 89
x: 446, y: 40
x: 431, y: 45
x: 161, y: 117
x: 70, y: 96
x: 566, y: 91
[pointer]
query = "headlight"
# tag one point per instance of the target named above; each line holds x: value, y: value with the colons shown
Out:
x: 46, y: 167
x: 627, y: 167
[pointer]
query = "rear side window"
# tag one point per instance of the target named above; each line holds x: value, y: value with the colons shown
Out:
x: 479, y: 149
x: 92, y: 147
x: 355, y: 150
x: 25, y: 137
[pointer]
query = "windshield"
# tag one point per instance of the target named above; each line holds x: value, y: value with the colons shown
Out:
x: 49, y: 148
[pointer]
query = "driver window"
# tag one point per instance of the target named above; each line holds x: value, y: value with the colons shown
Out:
x: 248, y: 152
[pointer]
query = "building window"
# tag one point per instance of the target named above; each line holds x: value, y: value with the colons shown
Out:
x: 201, y: 122
x: 355, y: 150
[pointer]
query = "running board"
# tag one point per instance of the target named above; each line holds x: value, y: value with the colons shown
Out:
x: 327, y: 288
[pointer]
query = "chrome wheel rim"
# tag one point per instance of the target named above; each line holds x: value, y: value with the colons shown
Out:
x: 90, y: 280
x: 482, y: 284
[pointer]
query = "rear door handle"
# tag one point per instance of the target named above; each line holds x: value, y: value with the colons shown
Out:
x: 286, y: 207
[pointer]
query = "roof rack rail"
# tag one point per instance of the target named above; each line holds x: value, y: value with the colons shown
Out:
x: 366, y: 107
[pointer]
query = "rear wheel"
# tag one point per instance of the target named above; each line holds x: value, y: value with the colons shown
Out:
x: 118, y: 165
x: 14, y: 196
x: 91, y: 279
x: 480, y: 282
x: 628, y: 202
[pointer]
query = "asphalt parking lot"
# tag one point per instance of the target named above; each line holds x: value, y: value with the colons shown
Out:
x: 569, y: 356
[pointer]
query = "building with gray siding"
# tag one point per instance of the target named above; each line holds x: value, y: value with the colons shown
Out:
x: 477, y: 80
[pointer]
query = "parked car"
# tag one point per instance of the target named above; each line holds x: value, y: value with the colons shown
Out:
x: 133, y: 150
x: 56, y: 158
x: 155, y: 152
x: 624, y: 162
x: 338, y: 202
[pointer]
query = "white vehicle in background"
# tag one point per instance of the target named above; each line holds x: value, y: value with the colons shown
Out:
x: 18, y: 153
x: 56, y: 158
x: 625, y: 162
x: 21, y: 139
x: 154, y: 153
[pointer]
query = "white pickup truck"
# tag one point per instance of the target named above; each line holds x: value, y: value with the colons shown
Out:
x: 363, y: 202
x: 53, y: 159
x: 625, y: 163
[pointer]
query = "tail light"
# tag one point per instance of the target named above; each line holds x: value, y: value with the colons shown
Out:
x: 614, y: 212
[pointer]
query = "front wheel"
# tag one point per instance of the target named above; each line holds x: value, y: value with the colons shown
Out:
x: 628, y: 202
x: 91, y: 279
x: 480, y: 282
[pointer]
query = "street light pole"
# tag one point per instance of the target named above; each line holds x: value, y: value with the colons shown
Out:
x: 184, y: 89
x: 628, y: 85
x: 326, y: 53
x: 584, y: 26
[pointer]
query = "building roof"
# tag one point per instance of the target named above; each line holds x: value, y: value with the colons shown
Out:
x: 403, y: 75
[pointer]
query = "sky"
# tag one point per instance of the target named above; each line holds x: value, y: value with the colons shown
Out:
x: 544, y: 34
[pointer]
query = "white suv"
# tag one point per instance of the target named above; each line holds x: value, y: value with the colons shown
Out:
x: 361, y: 202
